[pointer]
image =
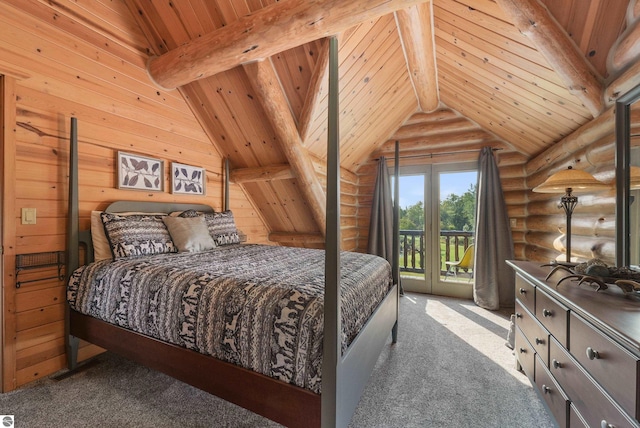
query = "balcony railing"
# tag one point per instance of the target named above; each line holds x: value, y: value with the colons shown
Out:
x: 453, y: 243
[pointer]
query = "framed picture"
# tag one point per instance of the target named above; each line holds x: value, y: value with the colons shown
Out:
x: 140, y: 172
x: 187, y: 179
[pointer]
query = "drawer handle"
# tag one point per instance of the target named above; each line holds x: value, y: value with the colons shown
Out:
x: 546, y: 389
x: 539, y: 341
x: 556, y: 364
x: 523, y: 351
x: 523, y: 291
x: 605, y: 424
x: 546, y: 313
x: 592, y: 354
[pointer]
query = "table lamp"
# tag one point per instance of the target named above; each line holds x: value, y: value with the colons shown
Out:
x: 568, y: 181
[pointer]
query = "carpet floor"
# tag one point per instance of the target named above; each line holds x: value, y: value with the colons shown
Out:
x: 450, y: 368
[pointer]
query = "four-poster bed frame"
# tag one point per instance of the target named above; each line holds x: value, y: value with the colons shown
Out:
x: 344, y: 375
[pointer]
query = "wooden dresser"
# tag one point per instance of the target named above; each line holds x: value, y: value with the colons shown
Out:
x: 579, y: 347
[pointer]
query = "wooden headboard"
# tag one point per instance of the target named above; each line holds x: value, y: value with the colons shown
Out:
x: 154, y: 207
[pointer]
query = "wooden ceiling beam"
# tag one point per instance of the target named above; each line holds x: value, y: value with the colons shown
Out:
x: 627, y: 48
x: 319, y: 76
x: 552, y: 41
x: 444, y: 140
x: 263, y: 173
x: 265, y: 82
x: 260, y: 35
x: 415, y: 25
x: 425, y: 129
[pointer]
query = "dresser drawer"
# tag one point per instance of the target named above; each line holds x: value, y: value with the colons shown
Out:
x: 612, y: 366
x: 553, y: 315
x: 534, y: 331
x: 552, y: 394
x: 526, y: 293
x: 575, y: 419
x: 525, y: 354
x: 588, y: 398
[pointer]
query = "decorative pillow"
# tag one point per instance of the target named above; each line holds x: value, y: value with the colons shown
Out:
x: 187, y: 213
x: 137, y: 235
x: 222, y: 227
x: 101, y: 247
x: 189, y: 234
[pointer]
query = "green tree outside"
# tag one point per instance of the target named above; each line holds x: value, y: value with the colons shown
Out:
x: 457, y: 212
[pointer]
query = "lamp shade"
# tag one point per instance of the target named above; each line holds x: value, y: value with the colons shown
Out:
x: 574, y: 179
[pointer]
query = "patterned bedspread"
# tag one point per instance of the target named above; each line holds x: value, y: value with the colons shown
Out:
x: 257, y: 306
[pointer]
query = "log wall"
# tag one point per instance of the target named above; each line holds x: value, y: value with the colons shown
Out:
x: 57, y: 67
x: 540, y: 223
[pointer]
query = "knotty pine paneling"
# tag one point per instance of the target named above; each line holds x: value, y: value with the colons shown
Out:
x: 589, y: 23
x: 474, y: 48
x: 376, y: 95
x: 295, y: 70
x: 89, y: 62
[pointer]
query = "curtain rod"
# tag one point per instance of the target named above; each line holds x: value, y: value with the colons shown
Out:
x: 431, y: 155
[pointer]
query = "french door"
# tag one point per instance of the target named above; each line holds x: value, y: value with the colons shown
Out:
x: 437, y: 225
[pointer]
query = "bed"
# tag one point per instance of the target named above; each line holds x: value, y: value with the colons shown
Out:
x: 319, y: 387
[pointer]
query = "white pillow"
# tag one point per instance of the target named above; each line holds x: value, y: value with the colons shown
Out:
x: 189, y: 234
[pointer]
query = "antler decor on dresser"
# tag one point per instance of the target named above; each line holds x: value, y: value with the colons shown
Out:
x: 597, y: 274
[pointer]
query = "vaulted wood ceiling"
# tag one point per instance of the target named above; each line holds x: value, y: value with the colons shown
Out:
x: 491, y: 83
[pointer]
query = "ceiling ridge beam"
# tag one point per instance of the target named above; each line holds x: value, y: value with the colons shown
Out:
x: 262, y: 34
x: 415, y: 27
x: 265, y: 82
x: 552, y: 41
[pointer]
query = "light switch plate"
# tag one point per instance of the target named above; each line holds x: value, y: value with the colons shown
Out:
x: 513, y: 222
x: 28, y: 216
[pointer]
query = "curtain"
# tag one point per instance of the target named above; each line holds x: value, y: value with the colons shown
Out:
x: 493, y: 285
x: 381, y: 224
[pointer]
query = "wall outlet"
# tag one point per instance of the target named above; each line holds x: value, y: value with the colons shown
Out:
x: 513, y: 222
x: 28, y: 216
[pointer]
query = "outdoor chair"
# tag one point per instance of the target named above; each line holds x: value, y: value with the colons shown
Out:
x: 465, y: 263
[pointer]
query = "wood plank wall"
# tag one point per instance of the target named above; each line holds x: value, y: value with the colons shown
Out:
x: 78, y: 65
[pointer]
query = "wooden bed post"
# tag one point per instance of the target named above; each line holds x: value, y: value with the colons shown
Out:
x: 73, y: 257
x: 226, y: 185
x: 330, y: 416
x: 395, y: 264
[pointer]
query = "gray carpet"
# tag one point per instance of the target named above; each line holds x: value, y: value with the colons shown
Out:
x: 450, y: 368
